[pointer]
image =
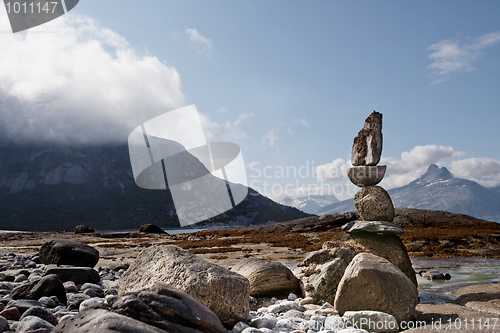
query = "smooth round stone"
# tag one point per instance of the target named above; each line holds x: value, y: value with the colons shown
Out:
x: 382, y: 227
x: 20, y: 278
x: 374, y: 204
x: 366, y: 175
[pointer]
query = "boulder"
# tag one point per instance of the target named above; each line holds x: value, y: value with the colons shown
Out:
x: 22, y: 305
x: 321, y: 272
x: 83, y: 229
x: 224, y: 292
x: 366, y: 175
x: 11, y: 313
x: 372, y: 321
x: 373, y: 203
x: 4, y: 324
x: 381, y: 227
x: 387, y: 246
x: 32, y: 323
x: 373, y: 283
x: 267, y: 278
x: 367, y: 147
x: 49, y: 285
x: 67, y: 252
x: 40, y: 312
x: 168, y: 308
x: 75, y: 300
x: 103, y: 321
x: 152, y: 229
x: 79, y: 275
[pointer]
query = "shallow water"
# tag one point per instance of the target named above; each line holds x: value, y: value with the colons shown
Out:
x: 463, y: 271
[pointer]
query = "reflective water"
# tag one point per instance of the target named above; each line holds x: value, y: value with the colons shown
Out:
x: 463, y: 271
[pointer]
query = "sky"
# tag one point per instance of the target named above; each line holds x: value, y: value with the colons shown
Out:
x: 291, y: 82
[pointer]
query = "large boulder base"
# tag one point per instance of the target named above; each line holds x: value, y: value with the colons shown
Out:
x: 224, y: 292
x: 373, y: 283
x: 389, y: 247
x: 68, y: 252
x: 267, y: 278
x: 321, y: 272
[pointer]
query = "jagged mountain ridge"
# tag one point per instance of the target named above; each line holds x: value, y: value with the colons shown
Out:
x: 55, y: 187
x: 438, y: 189
x: 310, y: 204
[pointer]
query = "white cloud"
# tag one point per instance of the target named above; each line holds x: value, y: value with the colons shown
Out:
x: 82, y: 83
x: 243, y: 117
x: 450, y: 57
x: 335, y: 170
x: 485, y: 171
x: 400, y: 171
x: 414, y: 163
x: 196, y: 37
x: 225, y: 130
x: 270, y: 138
x: 302, y: 121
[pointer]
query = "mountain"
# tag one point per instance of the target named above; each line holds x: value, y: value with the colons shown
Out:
x: 437, y: 189
x: 53, y: 188
x: 310, y: 204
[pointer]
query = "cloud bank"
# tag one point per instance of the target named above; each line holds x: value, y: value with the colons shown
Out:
x: 414, y: 163
x: 79, y: 82
x: 449, y: 57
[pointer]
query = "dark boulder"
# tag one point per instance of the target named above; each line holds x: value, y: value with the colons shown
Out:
x: 67, y: 252
x: 40, y: 312
x: 83, y: 229
x: 49, y: 285
x: 79, y: 275
x: 168, y: 308
x: 152, y: 229
x: 103, y: 321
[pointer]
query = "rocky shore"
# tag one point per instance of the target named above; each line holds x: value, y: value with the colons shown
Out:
x: 125, y: 281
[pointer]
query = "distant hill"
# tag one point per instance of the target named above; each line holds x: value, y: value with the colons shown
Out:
x: 310, y: 204
x: 54, y: 188
x: 437, y: 189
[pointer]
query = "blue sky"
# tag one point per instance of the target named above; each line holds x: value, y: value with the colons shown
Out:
x: 291, y: 82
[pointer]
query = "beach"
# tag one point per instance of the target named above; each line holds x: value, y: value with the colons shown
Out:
x: 466, y: 248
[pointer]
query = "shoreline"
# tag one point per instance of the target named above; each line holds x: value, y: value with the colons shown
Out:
x: 475, y: 274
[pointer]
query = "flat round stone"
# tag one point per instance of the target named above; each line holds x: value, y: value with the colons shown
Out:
x: 366, y: 175
x: 382, y: 227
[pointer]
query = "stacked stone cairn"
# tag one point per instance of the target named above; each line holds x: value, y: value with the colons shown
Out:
x: 377, y: 230
x: 373, y: 203
x: 369, y: 269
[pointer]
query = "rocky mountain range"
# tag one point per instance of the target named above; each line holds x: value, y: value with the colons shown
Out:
x: 53, y: 187
x: 439, y: 190
x: 310, y: 204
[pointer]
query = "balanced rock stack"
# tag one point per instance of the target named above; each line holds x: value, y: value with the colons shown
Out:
x: 380, y: 276
x: 373, y: 203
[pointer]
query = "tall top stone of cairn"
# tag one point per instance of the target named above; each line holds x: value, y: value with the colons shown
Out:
x: 367, y: 148
x: 373, y: 203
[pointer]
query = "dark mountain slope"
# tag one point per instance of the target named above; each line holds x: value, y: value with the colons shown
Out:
x: 58, y: 187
